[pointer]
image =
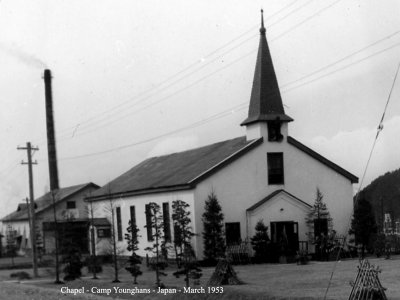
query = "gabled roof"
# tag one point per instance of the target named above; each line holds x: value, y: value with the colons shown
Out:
x: 320, y: 158
x: 272, y: 195
x: 46, y: 201
x: 175, y: 171
x: 265, y: 102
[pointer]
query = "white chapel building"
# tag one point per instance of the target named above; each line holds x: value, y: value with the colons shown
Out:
x: 266, y: 174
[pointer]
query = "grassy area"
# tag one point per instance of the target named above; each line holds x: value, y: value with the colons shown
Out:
x: 267, y: 281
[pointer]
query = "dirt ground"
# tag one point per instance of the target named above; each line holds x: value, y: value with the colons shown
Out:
x: 265, y: 281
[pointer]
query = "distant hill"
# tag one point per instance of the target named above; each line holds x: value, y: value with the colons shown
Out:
x: 384, y: 195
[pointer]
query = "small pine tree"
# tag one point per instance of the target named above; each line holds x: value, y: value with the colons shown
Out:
x: 318, y: 212
x: 113, y: 248
x: 183, y: 235
x: 316, y: 220
x: 134, y: 260
x: 213, y: 218
x: 11, y: 245
x: 156, y: 224
x: 93, y: 262
x: 261, y: 242
x: 363, y: 224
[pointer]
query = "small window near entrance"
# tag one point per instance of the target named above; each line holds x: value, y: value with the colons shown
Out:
x: 104, y: 232
x: 71, y: 204
x: 232, y: 232
x: 275, y: 168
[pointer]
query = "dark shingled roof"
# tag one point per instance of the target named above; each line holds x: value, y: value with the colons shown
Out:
x: 265, y: 102
x: 46, y: 201
x: 176, y: 171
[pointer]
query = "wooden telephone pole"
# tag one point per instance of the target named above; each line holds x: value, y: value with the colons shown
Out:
x: 31, y: 207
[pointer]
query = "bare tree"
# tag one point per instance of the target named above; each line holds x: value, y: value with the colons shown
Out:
x: 94, y: 266
x: 110, y: 210
x: 156, y: 224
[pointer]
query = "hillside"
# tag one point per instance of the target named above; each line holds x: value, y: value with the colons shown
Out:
x: 384, y: 194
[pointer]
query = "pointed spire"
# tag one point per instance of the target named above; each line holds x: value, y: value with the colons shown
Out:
x: 262, y: 29
x: 265, y: 102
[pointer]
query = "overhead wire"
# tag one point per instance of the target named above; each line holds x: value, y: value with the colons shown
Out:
x: 210, y: 54
x: 182, y: 71
x: 379, y: 129
x: 310, y: 17
x: 190, y: 126
x: 282, y: 87
x: 343, y: 58
x: 244, y: 104
x: 289, y: 14
x: 108, y: 122
x: 106, y: 118
x: 345, y: 67
x: 6, y: 171
x: 198, y: 124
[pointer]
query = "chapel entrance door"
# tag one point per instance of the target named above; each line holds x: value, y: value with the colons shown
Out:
x: 285, y: 235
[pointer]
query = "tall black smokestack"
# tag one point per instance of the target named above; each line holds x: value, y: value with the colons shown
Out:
x: 51, y: 141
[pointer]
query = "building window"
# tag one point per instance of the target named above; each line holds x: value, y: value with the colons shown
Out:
x: 104, y: 232
x: 232, y: 232
x: 119, y: 223
x: 167, y: 226
x: 275, y: 168
x: 274, y: 131
x: 133, y: 220
x: 71, y: 204
x: 148, y: 223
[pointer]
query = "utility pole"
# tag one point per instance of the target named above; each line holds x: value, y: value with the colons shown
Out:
x: 31, y: 208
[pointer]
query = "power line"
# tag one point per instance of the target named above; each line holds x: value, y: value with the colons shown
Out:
x: 310, y: 17
x: 9, y: 167
x: 343, y: 59
x: 379, y: 129
x: 108, y: 122
x: 106, y: 118
x: 11, y: 170
x: 185, y: 69
x: 243, y: 105
x: 31, y: 207
x: 283, y: 91
x: 292, y: 12
x: 170, y: 95
x: 190, y: 126
x: 344, y: 67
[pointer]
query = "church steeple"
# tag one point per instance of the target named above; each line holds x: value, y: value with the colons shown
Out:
x: 265, y: 102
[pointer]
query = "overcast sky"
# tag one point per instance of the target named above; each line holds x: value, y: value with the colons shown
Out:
x: 134, y: 79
